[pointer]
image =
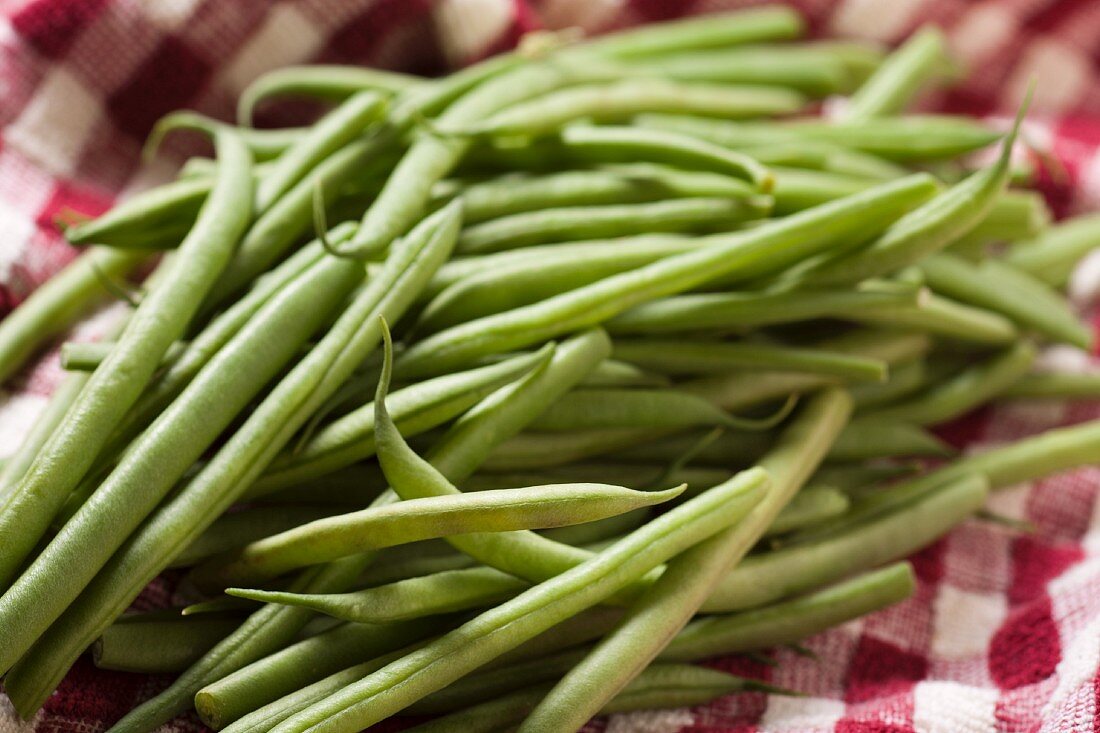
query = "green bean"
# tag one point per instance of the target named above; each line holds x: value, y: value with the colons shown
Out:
x: 1051, y: 385
x: 904, y: 380
x: 157, y: 322
x: 789, y: 621
x: 536, y: 451
x: 1016, y: 215
x: 85, y: 356
x: 615, y: 373
x: 765, y: 578
x: 636, y: 475
x: 532, y: 278
x: 738, y: 391
x: 824, y: 156
x: 812, y: 70
x: 736, y: 28
x: 744, y: 310
x: 970, y: 388
x: 941, y: 316
x: 456, y: 653
x: 618, y: 100
x: 704, y: 357
x: 924, y: 230
x: 239, y: 461
x: 666, y: 606
x: 862, y: 439
x: 129, y: 223
x: 808, y: 507
x: 797, y: 189
x: 901, y: 76
x: 516, y: 193
x: 1004, y: 289
x: 58, y: 303
x: 659, y: 686
x: 442, y: 592
x: 636, y: 408
x: 156, y: 461
x: 459, y: 455
x: 588, y: 222
x: 620, y: 144
x: 332, y: 132
x: 416, y: 408
x: 335, y: 83
x: 152, y: 646
x: 907, y: 139
x: 327, y: 539
x: 755, y: 252
x: 237, y: 529
x: 300, y: 664
x: 1053, y: 255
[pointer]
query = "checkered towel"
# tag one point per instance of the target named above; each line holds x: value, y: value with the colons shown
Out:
x: 1004, y: 631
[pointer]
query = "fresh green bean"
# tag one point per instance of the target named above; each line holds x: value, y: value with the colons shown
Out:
x: 615, y: 373
x: 702, y: 357
x: 808, y: 507
x: 901, y: 76
x: 237, y: 529
x: 659, y: 686
x: 738, y: 391
x: 517, y: 193
x: 744, y: 310
x: 160, y: 458
x: 908, y: 139
x: 57, y: 304
x: 755, y: 252
x: 129, y: 223
x: 85, y: 356
x: 467, y: 443
x: 636, y: 475
x: 113, y: 389
x: 812, y: 70
x: 300, y: 664
x: 1004, y: 289
x: 1016, y: 215
x: 774, y: 23
x: 335, y: 130
x: 789, y: 621
x: 666, y: 606
x: 588, y: 222
x: 941, y: 316
x: 970, y: 388
x: 456, y: 653
x: 335, y: 83
x: 618, y: 100
x: 239, y: 461
x: 1052, y: 385
x: 152, y: 646
x: 1053, y: 255
x: 324, y: 540
x: 588, y: 409
x: 527, y: 280
x: 442, y: 592
x: 768, y: 577
x: 416, y: 408
x: 797, y: 189
x: 904, y: 380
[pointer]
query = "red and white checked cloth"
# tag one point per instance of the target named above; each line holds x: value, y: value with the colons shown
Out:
x: 1004, y: 631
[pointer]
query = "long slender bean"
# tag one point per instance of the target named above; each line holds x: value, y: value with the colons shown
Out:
x: 619, y: 100
x: 668, y: 356
x: 113, y: 389
x: 129, y: 223
x: 324, y: 540
x: 755, y: 252
x: 814, y: 70
x: 237, y: 463
x: 1053, y: 385
x: 589, y: 222
x: 1052, y: 256
x: 941, y: 316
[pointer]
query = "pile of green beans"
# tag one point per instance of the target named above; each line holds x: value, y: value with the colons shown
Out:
x: 631, y: 271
